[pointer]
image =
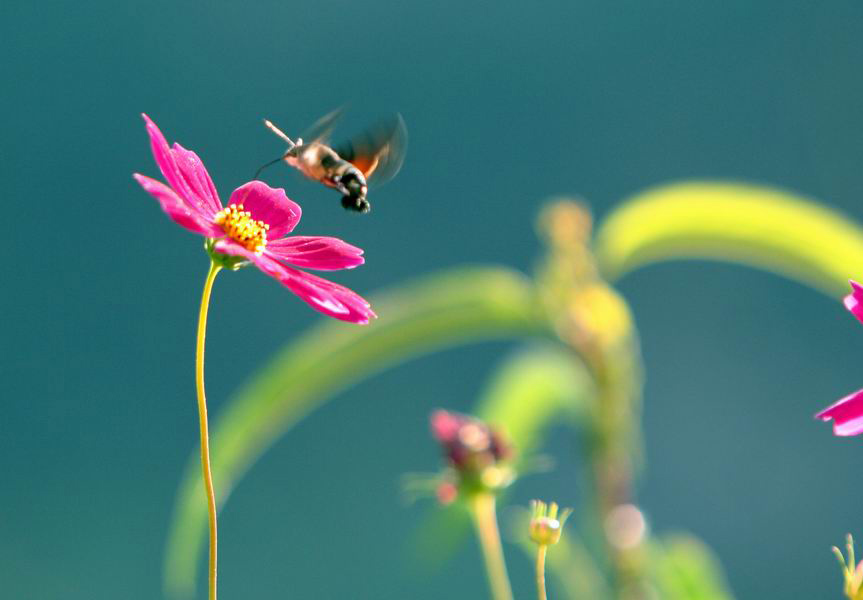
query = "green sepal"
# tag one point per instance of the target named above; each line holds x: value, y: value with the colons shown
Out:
x: 226, y: 261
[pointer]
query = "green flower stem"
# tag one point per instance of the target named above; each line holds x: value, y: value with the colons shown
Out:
x: 540, y: 572
x: 202, y: 416
x: 482, y: 507
x: 616, y: 454
x: 439, y: 311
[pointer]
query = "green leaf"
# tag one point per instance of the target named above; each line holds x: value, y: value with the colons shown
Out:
x: 534, y: 389
x: 440, y: 534
x: 685, y: 569
x: 756, y: 226
x: 439, y: 311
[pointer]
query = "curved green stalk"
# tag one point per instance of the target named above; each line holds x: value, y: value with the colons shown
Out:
x: 460, y: 306
x: 206, y: 470
x: 757, y: 226
x: 533, y: 389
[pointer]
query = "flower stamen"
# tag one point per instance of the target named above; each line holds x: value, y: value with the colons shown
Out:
x: 241, y: 228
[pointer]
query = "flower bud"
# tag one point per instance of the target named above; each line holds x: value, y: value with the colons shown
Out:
x: 546, y: 526
x: 475, y: 452
x: 851, y: 571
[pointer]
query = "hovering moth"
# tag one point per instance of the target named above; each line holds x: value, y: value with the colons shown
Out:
x: 375, y: 156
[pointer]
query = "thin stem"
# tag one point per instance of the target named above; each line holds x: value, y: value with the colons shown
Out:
x: 202, y: 416
x: 485, y: 521
x: 540, y: 572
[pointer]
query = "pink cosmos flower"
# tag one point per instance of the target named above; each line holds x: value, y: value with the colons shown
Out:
x: 847, y: 413
x: 252, y: 227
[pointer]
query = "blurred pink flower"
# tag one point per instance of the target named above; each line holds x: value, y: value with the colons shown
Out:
x: 478, y: 456
x: 854, y: 300
x: 466, y: 441
x: 252, y: 227
x: 847, y: 413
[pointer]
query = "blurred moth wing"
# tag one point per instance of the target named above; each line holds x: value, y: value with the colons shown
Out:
x: 321, y: 130
x: 378, y: 152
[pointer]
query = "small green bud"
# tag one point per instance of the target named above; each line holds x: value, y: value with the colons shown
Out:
x: 546, y: 526
x: 852, y: 571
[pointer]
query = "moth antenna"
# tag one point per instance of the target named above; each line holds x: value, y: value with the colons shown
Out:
x: 279, y: 133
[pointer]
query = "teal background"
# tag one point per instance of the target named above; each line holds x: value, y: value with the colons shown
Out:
x: 506, y: 103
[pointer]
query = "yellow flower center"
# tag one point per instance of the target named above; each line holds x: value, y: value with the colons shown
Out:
x: 240, y: 227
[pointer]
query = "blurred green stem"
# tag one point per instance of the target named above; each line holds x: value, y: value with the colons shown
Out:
x: 202, y: 417
x: 482, y: 507
x: 615, y: 452
x: 540, y: 572
x: 593, y: 320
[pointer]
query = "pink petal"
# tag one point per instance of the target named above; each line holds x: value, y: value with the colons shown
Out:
x: 847, y: 414
x: 445, y: 426
x: 269, y: 205
x: 196, y: 177
x: 327, y: 297
x: 178, y: 176
x: 177, y: 209
x: 324, y: 296
x: 322, y: 253
x: 854, y: 300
